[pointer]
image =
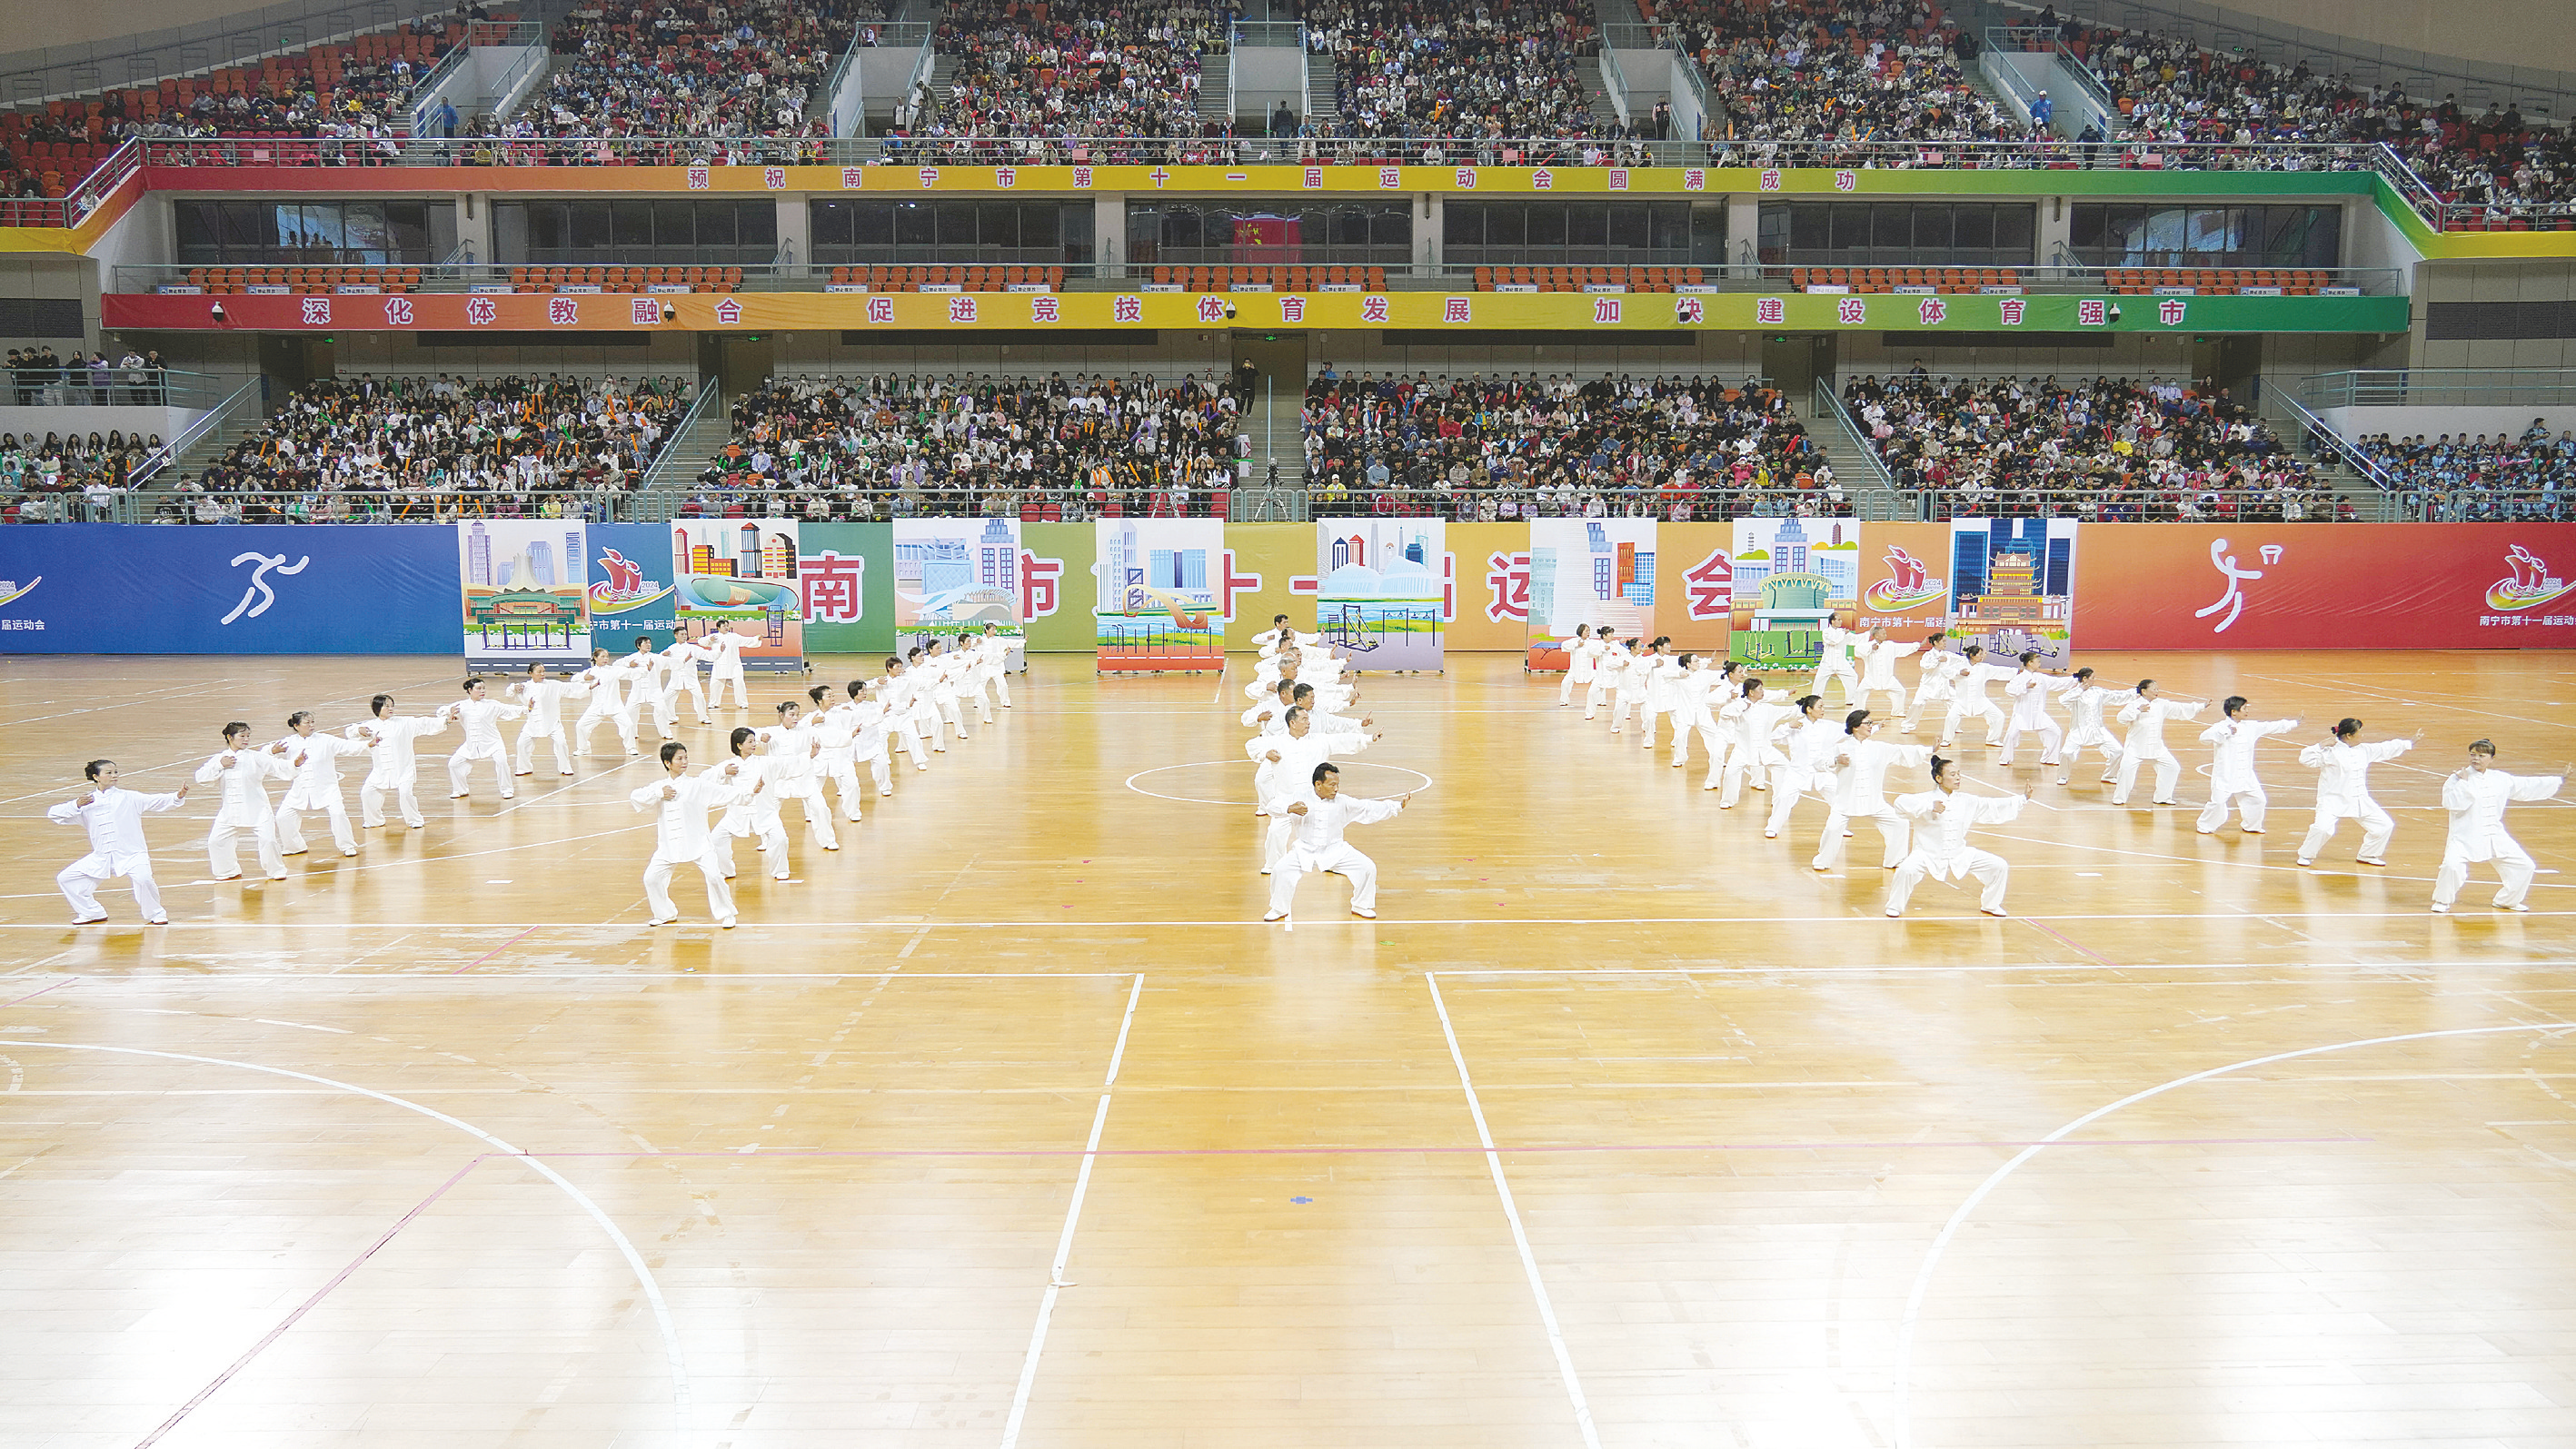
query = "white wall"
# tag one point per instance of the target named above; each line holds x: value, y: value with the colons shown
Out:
x: 2432, y: 422
x: 168, y: 422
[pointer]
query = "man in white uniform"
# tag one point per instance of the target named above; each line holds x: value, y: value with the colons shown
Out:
x: 682, y: 659
x: 1280, y: 636
x: 2085, y: 702
x: 1581, y: 654
x: 395, y: 767
x: 680, y: 835
x: 2343, y: 791
x: 724, y: 645
x: 482, y: 719
x: 245, y: 772
x: 2030, y: 690
x: 996, y: 647
x: 1878, y: 670
x: 1942, y: 817
x: 1836, y: 661
x: 2233, y: 778
x: 1968, y: 696
x: 648, y: 689
x: 114, y: 819
x: 2145, y: 716
x: 603, y: 688
x: 2475, y: 798
x: 1322, y: 813
x: 315, y: 760
x: 1280, y: 760
x: 838, y: 728
x: 1864, y: 760
x: 871, y: 740
x: 543, y: 695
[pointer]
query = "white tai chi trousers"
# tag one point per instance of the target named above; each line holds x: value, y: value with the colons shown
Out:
x: 460, y: 765
x: 1989, y: 869
x: 1962, y: 710
x: 219, y: 848
x: 2513, y: 867
x: 1343, y: 860
x: 81, y: 879
x: 2099, y: 739
x: 527, y: 757
x: 1842, y: 671
x: 2376, y: 827
x: 1892, y: 828
x: 371, y: 800
x: 1860, y: 698
x: 290, y: 828
x: 2250, y: 803
x: 657, y: 885
x: 2168, y: 775
x: 593, y: 717
x: 2051, y: 740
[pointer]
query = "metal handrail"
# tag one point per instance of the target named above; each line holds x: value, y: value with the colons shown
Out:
x: 2441, y: 386
x: 203, y: 427
x: 1269, y: 33
x: 1614, y: 82
x: 175, y: 387
x: 1828, y: 406
x: 664, y: 472
x: 2332, y: 442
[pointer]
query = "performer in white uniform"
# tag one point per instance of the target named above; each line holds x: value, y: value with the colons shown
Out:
x: 394, y: 767
x: 1280, y: 761
x: 1581, y: 654
x: 837, y: 726
x: 648, y: 688
x: 1939, y: 682
x: 1280, y: 636
x: 680, y: 835
x: 1322, y: 813
x: 1808, y: 765
x: 114, y: 819
x: 482, y: 719
x: 2476, y: 797
x: 2343, y: 791
x: 2232, y: 774
x: 245, y: 772
x: 906, y: 692
x: 682, y: 659
x: 314, y: 760
x: 1663, y: 690
x: 724, y: 644
x: 1755, y: 755
x: 997, y: 658
x: 1943, y: 816
x: 795, y: 746
x: 872, y: 740
x: 1864, y: 760
x: 1725, y: 720
x: 1968, y: 698
x: 543, y: 695
x: 2085, y: 702
x: 753, y: 815
x: 1609, y: 662
x: 2145, y: 716
x: 2030, y: 690
x: 1693, y: 707
x: 1878, y: 659
x: 1836, y: 661
x: 603, y: 688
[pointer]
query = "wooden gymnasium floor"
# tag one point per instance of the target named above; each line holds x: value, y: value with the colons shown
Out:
x: 1010, y: 1125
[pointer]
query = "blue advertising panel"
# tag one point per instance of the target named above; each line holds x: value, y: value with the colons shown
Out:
x: 630, y: 584
x: 96, y: 588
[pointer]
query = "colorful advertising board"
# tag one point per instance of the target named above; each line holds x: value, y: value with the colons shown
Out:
x: 1596, y: 571
x: 1791, y: 575
x: 741, y: 574
x: 1158, y: 583
x: 524, y: 583
x: 954, y: 576
x: 1383, y: 590
x: 106, y: 588
x: 2012, y: 587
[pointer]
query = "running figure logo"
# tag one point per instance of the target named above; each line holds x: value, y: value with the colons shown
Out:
x: 2233, y: 601
x: 259, y: 588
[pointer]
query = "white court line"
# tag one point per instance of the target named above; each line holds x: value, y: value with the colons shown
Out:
x: 1056, y: 1283
x: 1856, y: 915
x: 167, y: 886
x: 1201, y: 764
x: 1904, y: 1435
x: 1512, y: 1214
x: 2240, y: 864
x: 634, y: 1260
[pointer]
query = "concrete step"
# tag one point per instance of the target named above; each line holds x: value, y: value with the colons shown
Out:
x: 1216, y: 88
x: 1605, y: 110
x: 1323, y: 91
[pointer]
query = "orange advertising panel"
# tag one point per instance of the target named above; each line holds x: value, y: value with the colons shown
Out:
x: 1493, y: 586
x: 2328, y: 586
x: 1905, y: 578
x: 1693, y: 586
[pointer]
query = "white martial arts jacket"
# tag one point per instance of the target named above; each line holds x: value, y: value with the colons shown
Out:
x: 683, y: 659
x: 1757, y: 725
x: 1319, y: 830
x: 865, y: 719
x: 1813, y: 744
x: 838, y: 732
x: 647, y: 677
x: 2084, y: 703
x: 996, y: 649
x: 2030, y: 691
x: 1693, y: 693
x: 1636, y: 675
x: 726, y: 647
x: 2343, y: 782
x: 1878, y: 662
x: 245, y: 796
x: 2146, y: 721
x: 1972, y: 679
x: 1663, y: 683
x: 1941, y: 671
x: 1865, y: 763
x: 395, y: 764
x: 1268, y: 716
x: 114, y: 818
x: 794, y: 760
x: 1839, y: 644
x: 316, y: 781
x: 1269, y: 641
x: 482, y: 719
x: 1583, y: 659
x: 1298, y: 758
x: 2231, y: 758
x: 680, y: 825
x: 2476, y: 800
x: 1942, y: 820
x: 605, y: 688
x: 545, y: 699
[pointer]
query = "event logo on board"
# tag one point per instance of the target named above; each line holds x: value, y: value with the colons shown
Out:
x: 625, y: 588
x: 1909, y: 585
x: 259, y: 589
x: 11, y: 590
x: 2531, y: 585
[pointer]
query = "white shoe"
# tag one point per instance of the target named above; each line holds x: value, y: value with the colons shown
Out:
x: 2061, y: 779
x: 523, y: 774
x: 509, y: 794
x: 2516, y: 906
x: 291, y: 854
x: 2440, y: 909
x: 348, y: 852
x: 2306, y: 862
x: 566, y: 773
x: 1372, y: 915
x: 2363, y: 860
x: 1770, y: 834
x: 459, y: 795
x: 1998, y: 915
x: 154, y: 921
x: 729, y: 922
x: 1893, y: 911
x: 91, y: 920
x: 661, y: 920
x: 1274, y: 916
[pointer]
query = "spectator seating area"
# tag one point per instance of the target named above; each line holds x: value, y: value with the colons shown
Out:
x: 58, y: 479
x: 2469, y: 479
x: 1277, y: 279
x: 1949, y: 280
x: 623, y: 279
x: 1523, y: 445
x: 231, y: 281
x: 1069, y: 68
x: 2218, y: 281
x: 2106, y: 449
x: 969, y: 279
x: 692, y: 68
x: 1826, y: 71
x: 1490, y: 70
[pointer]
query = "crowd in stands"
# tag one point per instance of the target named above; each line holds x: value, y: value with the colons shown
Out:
x: 1829, y: 74
x: 420, y: 446
x: 692, y: 68
x: 1025, y: 73
x: 2471, y: 479
x: 1481, y: 73
x: 886, y: 446
x: 2100, y: 449
x: 1558, y: 446
x: 68, y: 478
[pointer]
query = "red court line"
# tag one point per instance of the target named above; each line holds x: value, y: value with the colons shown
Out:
x: 1471, y: 1148
x: 495, y: 951
x: 32, y: 995
x: 306, y: 1307
x: 2069, y: 942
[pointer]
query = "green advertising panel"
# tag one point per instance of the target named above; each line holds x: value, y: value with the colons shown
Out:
x: 847, y: 573
x: 1056, y: 564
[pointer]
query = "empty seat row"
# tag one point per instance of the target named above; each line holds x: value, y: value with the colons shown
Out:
x: 1888, y: 279
x: 1285, y: 279
x: 972, y: 279
x: 2216, y: 281
x: 624, y: 279
x: 1575, y: 279
x: 231, y: 280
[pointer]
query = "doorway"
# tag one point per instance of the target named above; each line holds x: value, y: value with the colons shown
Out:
x: 1795, y: 362
x: 1277, y: 370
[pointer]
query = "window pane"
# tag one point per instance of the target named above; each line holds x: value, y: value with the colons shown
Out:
x: 1810, y: 226
x: 715, y: 223
x: 997, y: 224
x: 1932, y: 226
x: 759, y: 223
x: 1181, y: 227
x: 590, y: 225
x: 631, y: 223
x: 1671, y: 220
x: 200, y: 225
x: 1040, y: 225
x: 2014, y: 226
x: 872, y: 224
x: 829, y: 223
x: 1546, y: 223
x: 407, y: 232
x: 675, y: 224
x: 1891, y: 225
x: 1851, y: 226
x: 549, y: 229
x: 247, y: 224
x: 1975, y: 225
x: 1587, y: 225
x: 956, y: 223
x: 1392, y: 227
x: 1507, y: 224
x: 1462, y: 226
x: 1628, y: 225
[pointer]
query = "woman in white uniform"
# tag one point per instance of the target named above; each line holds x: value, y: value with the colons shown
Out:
x: 315, y: 760
x: 2085, y: 702
x: 2343, y: 791
x: 680, y: 802
x: 1581, y: 654
x: 2476, y: 798
x: 114, y: 819
x: 2145, y: 716
x: 244, y: 772
x: 1943, y: 816
x: 1861, y: 790
x: 395, y: 767
x: 2233, y: 778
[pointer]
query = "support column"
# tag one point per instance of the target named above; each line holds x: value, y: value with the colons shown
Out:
x: 1743, y: 228
x: 1429, y: 223
x: 796, y: 228
x: 474, y: 226
x: 1109, y: 232
x: 2051, y: 240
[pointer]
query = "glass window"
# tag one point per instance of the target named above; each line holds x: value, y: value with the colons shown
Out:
x: 1671, y: 222
x: 872, y: 224
x: 547, y: 230
x: 674, y: 224
x: 590, y: 226
x: 715, y: 224
x: 1628, y: 230
x: 912, y: 224
x: 1587, y: 224
x: 1973, y: 225
x: 2016, y: 231
x: 759, y: 223
x: 199, y: 226
x: 955, y: 223
x: 1547, y: 224
x: 1392, y: 227
x: 1462, y: 226
x: 828, y: 223
x: 1932, y: 230
x: 631, y: 224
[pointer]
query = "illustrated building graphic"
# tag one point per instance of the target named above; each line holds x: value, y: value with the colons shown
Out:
x: 478, y: 556
x: 997, y: 558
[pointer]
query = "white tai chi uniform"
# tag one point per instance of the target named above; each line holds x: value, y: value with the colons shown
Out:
x: 683, y: 659
x: 1609, y: 661
x: 648, y: 692
x: 941, y: 673
x: 1663, y: 696
x: 1755, y: 755
x: 2476, y: 801
x: 2146, y: 721
x: 754, y: 817
x: 1836, y: 663
x: 1941, y: 850
x: 1269, y: 717
x: 1694, y: 711
x: 482, y: 719
x: 909, y: 704
x: 244, y: 806
x: 1293, y: 774
x: 395, y: 767
x: 680, y: 836
x: 796, y: 772
x: 2232, y: 776
x: 1271, y: 641
x: 1862, y: 792
x: 604, y: 687
x: 1809, y: 766
x: 1878, y: 673
x: 1317, y: 844
x: 726, y: 647
x: 114, y: 819
x: 2030, y: 690
x: 544, y: 699
x: 314, y: 760
x: 996, y: 649
x: 1581, y: 655
x: 2343, y: 793
x: 838, y: 729
x: 1731, y: 704
x: 1635, y: 684
x: 2085, y: 702
x: 1968, y: 700
x: 1938, y: 685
